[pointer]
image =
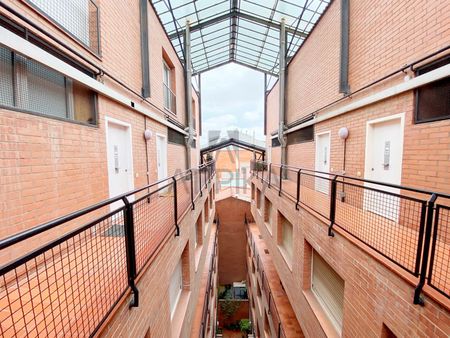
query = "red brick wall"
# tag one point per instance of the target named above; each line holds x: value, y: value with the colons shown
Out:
x: 406, y: 37
x: 232, y: 239
x: 374, y: 295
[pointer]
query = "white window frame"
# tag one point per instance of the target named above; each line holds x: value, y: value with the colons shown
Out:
x: 179, y: 282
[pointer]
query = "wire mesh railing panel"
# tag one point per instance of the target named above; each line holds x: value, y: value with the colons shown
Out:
x: 383, y: 220
x: 196, y: 182
x: 79, y: 18
x: 289, y: 185
x: 315, y: 191
x: 439, y: 273
x: 153, y: 220
x: 183, y: 195
x: 67, y: 287
x: 275, y: 176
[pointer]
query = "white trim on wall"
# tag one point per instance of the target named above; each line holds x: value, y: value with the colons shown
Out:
x: 418, y: 81
x: 32, y: 51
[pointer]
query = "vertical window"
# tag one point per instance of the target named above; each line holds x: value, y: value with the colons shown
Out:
x: 285, y: 237
x: 198, y: 233
x: 175, y: 287
x: 328, y: 287
x: 169, y: 85
x: 206, y: 212
x: 268, y: 214
x: 258, y: 199
x: 433, y: 99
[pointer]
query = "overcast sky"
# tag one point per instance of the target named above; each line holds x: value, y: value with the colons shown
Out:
x: 232, y: 97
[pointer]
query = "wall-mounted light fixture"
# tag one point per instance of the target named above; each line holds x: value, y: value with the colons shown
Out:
x: 343, y: 135
x: 148, y: 134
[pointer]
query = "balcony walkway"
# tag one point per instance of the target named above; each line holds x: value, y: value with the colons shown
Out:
x: 286, y: 315
x: 388, y: 224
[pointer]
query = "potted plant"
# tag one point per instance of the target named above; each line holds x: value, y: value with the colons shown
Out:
x: 246, y: 327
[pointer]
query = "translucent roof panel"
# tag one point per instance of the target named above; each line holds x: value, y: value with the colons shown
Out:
x: 242, y: 31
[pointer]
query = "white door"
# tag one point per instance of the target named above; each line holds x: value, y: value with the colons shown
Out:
x: 384, y: 152
x: 161, y: 156
x: 119, y: 160
x: 322, y: 161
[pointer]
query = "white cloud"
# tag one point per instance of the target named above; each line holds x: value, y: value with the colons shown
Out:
x: 233, y: 98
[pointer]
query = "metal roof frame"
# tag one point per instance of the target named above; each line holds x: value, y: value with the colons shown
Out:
x: 233, y: 142
x: 246, y: 30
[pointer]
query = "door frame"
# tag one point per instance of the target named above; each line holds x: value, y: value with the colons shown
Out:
x: 317, y: 179
x: 167, y: 150
x: 369, y: 134
x: 329, y: 147
x: 108, y: 122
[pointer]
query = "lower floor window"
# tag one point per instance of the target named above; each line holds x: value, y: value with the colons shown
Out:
x: 328, y: 287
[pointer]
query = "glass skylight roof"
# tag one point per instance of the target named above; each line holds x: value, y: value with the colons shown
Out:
x: 241, y: 31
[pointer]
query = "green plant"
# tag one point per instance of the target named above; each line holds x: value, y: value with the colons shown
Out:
x: 229, y: 307
x: 245, y: 325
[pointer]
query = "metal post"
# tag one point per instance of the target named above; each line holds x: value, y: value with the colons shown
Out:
x: 262, y: 172
x: 282, y: 95
x: 426, y: 250
x: 270, y: 173
x: 130, y: 250
x: 175, y: 206
x: 192, y: 189
x: 298, y: 189
x: 332, y: 206
x: 188, y: 96
x: 200, y: 181
x: 281, y: 180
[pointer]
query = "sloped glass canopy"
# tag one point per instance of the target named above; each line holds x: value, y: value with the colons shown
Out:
x: 241, y: 31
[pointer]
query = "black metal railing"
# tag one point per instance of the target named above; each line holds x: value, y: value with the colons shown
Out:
x: 410, y: 227
x: 272, y: 308
x: 209, y: 291
x: 70, y: 285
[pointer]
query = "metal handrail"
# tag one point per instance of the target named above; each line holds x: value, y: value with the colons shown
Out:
x: 84, y: 239
x: 424, y: 214
x: 209, y: 282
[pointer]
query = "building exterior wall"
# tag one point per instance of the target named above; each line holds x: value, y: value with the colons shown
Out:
x: 374, y: 294
x: 312, y: 85
x: 232, y: 267
x: 377, y: 295
x: 51, y: 167
x: 153, y: 316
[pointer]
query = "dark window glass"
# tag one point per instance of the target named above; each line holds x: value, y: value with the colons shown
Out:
x: 30, y: 86
x: 299, y: 136
x: 433, y: 99
x: 275, y: 142
x: 176, y: 137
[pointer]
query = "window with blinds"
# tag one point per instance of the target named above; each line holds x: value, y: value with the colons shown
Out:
x: 175, y: 137
x: 328, y: 287
x: 287, y: 234
x: 29, y: 86
x: 268, y: 213
x: 175, y: 287
x: 433, y: 99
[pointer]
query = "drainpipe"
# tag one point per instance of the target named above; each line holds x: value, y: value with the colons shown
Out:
x: 282, y: 81
x: 188, y: 85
